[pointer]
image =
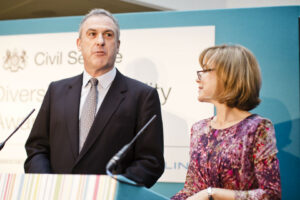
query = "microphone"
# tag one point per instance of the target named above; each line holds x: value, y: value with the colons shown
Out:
x: 111, y: 165
x: 3, y: 143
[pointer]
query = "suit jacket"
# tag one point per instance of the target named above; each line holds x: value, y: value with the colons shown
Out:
x: 53, y: 144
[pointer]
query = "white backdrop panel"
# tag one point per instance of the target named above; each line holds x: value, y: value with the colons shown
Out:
x: 164, y: 58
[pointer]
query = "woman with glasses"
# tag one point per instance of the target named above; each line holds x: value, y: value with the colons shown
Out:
x: 232, y: 154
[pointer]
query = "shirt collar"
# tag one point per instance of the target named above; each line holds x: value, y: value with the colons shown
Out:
x: 105, y: 80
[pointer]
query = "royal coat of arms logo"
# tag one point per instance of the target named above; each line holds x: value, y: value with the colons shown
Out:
x: 14, y: 60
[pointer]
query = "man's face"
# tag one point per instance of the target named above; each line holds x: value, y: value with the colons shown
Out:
x: 98, y: 44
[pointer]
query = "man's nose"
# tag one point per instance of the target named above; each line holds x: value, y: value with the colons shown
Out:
x: 100, y: 40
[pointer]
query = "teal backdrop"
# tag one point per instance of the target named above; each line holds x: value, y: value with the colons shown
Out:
x: 272, y: 34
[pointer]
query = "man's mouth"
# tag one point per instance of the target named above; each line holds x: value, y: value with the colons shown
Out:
x: 100, y: 52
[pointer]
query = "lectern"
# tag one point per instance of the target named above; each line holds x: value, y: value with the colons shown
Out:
x: 71, y: 187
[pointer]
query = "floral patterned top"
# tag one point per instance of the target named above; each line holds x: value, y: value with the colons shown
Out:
x: 241, y: 158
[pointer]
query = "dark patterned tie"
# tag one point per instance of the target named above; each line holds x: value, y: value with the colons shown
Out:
x: 88, y: 113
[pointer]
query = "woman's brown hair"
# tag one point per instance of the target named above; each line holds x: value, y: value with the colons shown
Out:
x: 238, y: 75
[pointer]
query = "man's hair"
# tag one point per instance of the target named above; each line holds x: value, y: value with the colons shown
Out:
x: 238, y: 75
x: 97, y: 12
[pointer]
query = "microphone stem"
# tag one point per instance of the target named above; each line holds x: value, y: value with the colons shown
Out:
x: 115, y: 159
x: 144, y: 127
x: 19, y: 126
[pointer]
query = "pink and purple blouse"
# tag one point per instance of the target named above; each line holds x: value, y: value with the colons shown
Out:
x: 240, y: 158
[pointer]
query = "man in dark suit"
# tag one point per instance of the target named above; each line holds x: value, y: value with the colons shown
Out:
x: 124, y: 105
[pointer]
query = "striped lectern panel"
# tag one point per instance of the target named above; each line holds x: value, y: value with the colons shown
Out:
x: 56, y: 187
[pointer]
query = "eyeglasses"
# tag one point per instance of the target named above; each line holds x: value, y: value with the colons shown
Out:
x: 201, y: 72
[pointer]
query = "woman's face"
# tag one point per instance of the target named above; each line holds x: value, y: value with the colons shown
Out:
x: 207, y: 84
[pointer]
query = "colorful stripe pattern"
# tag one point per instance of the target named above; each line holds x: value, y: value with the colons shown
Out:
x: 56, y: 187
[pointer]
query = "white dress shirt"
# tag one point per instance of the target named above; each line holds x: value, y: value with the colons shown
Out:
x: 104, y: 83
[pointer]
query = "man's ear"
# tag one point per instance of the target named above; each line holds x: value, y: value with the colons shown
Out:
x: 118, y: 45
x: 78, y: 42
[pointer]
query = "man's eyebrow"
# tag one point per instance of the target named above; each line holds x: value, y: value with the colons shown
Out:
x: 109, y: 30
x: 91, y: 29
x: 105, y: 31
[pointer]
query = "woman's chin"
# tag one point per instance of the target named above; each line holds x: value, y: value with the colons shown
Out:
x: 200, y: 99
x: 204, y: 100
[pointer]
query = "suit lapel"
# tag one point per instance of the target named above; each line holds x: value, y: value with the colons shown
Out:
x: 71, y: 106
x: 110, y: 104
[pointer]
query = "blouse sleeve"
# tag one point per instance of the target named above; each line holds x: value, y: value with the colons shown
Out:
x: 266, y: 165
x: 189, y: 187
